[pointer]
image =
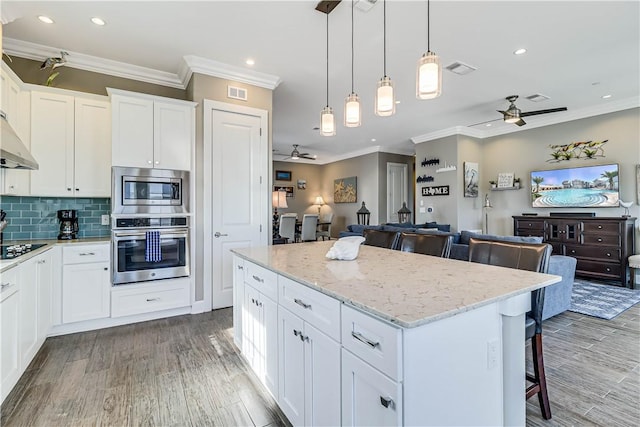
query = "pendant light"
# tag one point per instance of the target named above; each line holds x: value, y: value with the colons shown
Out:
x: 385, y: 104
x: 352, y: 110
x: 429, y: 71
x: 327, y: 120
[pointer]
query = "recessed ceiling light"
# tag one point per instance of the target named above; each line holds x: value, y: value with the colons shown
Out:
x: 373, y: 140
x: 250, y: 62
x: 606, y: 96
x: 520, y: 51
x: 97, y: 21
x: 45, y: 19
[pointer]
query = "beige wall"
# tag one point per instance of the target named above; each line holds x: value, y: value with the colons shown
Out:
x: 302, y: 200
x: 383, y: 159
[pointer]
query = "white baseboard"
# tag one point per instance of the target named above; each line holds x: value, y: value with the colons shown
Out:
x: 199, y: 307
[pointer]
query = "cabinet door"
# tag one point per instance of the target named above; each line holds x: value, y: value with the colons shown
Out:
x: 291, y: 366
x: 92, y: 160
x: 17, y: 181
x: 270, y: 343
x: 28, y: 311
x: 45, y: 272
x: 52, y: 144
x: 238, y: 298
x: 250, y: 328
x: 132, y: 131
x: 322, y: 379
x: 369, y: 398
x: 172, y: 131
x: 9, y: 332
x: 85, y: 291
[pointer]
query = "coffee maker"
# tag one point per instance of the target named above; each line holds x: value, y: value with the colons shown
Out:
x: 68, y: 224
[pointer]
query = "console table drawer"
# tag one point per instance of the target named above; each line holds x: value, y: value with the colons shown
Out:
x: 599, y: 268
x: 530, y: 225
x: 605, y: 253
x: 601, y: 239
x: 601, y: 227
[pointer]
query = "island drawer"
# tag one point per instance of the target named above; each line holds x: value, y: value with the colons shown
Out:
x: 263, y: 280
x: 374, y: 341
x: 80, y: 254
x: 313, y: 307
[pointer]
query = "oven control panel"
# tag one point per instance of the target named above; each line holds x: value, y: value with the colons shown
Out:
x: 152, y: 222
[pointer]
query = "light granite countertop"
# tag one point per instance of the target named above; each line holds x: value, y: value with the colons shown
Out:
x: 403, y: 288
x: 6, y: 264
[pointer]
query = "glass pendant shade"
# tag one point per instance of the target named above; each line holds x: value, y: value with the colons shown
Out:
x: 429, y: 76
x: 352, y: 115
x: 385, y: 104
x: 327, y: 122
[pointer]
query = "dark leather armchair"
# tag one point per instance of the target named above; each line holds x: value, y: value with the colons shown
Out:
x: 381, y: 239
x: 523, y: 256
x: 426, y: 244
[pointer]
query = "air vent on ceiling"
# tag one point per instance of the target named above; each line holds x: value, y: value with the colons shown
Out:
x: 460, y: 68
x: 237, y: 93
x: 537, y: 97
x: 365, y: 5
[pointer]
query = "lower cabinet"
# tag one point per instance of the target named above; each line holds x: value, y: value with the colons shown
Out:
x: 86, y: 283
x: 309, y: 372
x: 238, y: 299
x: 9, y: 332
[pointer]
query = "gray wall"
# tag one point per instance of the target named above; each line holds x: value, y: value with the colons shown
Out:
x: 302, y: 200
x: 383, y: 159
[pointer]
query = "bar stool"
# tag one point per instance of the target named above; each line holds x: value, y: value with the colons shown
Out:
x: 634, y: 264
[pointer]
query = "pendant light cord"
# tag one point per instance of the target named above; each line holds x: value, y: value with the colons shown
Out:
x: 384, y: 38
x: 352, y: 3
x: 428, y: 27
x: 327, y: 59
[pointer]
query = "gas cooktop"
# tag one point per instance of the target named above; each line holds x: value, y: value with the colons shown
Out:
x: 14, y: 251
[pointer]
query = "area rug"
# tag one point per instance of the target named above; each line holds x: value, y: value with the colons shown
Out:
x: 603, y: 301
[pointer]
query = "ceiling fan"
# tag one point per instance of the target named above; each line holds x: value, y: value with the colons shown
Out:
x: 297, y: 155
x: 514, y: 115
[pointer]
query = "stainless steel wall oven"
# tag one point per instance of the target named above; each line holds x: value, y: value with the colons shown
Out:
x: 152, y: 191
x: 149, y: 248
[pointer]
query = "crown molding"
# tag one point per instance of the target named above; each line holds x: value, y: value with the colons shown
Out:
x: 209, y: 67
x: 443, y: 133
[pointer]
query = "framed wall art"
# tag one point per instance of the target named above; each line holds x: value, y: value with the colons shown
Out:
x: 470, y: 179
x: 283, y: 175
x: 287, y: 189
x: 345, y: 190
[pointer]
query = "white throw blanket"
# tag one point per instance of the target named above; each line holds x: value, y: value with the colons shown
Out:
x: 345, y: 248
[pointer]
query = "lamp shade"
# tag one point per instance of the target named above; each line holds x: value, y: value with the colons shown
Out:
x: 279, y: 199
x: 319, y: 201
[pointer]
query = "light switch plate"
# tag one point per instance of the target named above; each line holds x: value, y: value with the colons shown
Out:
x: 104, y: 220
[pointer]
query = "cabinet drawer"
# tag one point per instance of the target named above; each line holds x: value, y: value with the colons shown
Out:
x: 313, y: 307
x: 598, y: 268
x: 9, y: 283
x: 375, y: 342
x: 155, y: 296
x: 600, y: 252
x: 601, y: 227
x: 523, y: 224
x: 601, y: 239
x: 81, y: 254
x: 265, y: 281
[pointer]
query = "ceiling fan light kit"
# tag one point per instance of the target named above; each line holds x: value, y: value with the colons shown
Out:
x: 429, y: 70
x: 385, y: 100
x: 514, y: 115
x: 352, y: 107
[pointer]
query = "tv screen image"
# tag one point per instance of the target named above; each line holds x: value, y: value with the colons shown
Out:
x: 577, y: 187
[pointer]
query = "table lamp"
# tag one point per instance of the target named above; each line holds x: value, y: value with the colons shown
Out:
x: 487, y: 206
x: 319, y: 202
x: 279, y: 200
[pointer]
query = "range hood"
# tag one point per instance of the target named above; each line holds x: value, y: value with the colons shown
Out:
x: 13, y: 153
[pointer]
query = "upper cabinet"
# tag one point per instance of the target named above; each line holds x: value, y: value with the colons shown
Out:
x: 150, y: 131
x: 71, y: 140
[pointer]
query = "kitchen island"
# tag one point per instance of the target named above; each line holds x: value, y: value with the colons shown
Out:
x: 391, y: 337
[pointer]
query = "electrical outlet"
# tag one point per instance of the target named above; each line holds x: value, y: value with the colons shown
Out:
x: 104, y: 220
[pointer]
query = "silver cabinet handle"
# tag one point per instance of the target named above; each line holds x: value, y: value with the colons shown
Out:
x: 240, y: 267
x: 301, y: 303
x: 5, y: 285
x: 361, y: 338
x: 258, y: 279
x: 386, y: 402
x: 153, y: 299
x: 87, y: 253
x: 599, y: 239
x: 218, y: 234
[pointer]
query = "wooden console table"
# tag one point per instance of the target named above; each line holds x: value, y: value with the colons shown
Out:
x: 602, y: 245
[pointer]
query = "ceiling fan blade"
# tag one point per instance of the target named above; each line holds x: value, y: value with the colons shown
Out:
x: 304, y: 156
x: 535, y: 113
x: 520, y: 122
x: 501, y: 112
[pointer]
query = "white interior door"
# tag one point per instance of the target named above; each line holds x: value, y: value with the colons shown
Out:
x: 236, y: 194
x: 397, y: 189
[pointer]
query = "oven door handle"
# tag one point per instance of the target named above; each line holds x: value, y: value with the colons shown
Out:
x: 164, y: 232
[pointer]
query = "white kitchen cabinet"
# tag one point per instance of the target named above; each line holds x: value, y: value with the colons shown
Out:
x: 151, y: 132
x: 45, y: 285
x: 70, y: 140
x: 238, y: 299
x: 146, y: 297
x: 309, y: 359
x: 86, y: 284
x: 9, y: 332
x: 28, y: 311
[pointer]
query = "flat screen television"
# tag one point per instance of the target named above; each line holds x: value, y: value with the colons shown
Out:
x: 576, y: 187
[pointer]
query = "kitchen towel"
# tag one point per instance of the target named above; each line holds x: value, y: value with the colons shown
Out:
x: 153, y: 251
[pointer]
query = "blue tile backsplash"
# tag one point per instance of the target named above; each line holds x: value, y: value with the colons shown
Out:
x: 37, y: 217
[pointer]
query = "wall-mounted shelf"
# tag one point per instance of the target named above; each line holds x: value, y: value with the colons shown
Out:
x: 505, y: 188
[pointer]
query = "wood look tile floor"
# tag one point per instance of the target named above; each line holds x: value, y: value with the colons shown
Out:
x: 185, y: 371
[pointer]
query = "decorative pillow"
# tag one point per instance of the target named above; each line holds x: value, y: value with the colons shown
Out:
x: 359, y: 228
x: 466, y: 235
x: 388, y: 227
x: 444, y: 227
x: 432, y: 224
x: 399, y: 225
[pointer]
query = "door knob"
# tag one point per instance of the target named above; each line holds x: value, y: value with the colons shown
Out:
x: 218, y: 234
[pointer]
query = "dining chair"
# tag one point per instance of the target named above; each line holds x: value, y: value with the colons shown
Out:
x: 380, y: 238
x: 287, y: 227
x: 532, y: 257
x: 325, y: 227
x: 308, y: 228
x: 427, y: 244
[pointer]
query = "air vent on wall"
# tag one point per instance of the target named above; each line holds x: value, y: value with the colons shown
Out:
x: 537, y: 97
x: 460, y: 68
x: 237, y: 93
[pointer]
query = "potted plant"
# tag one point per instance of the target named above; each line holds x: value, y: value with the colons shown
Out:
x: 493, y: 184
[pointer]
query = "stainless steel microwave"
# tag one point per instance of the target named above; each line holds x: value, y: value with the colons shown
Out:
x: 149, y: 191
